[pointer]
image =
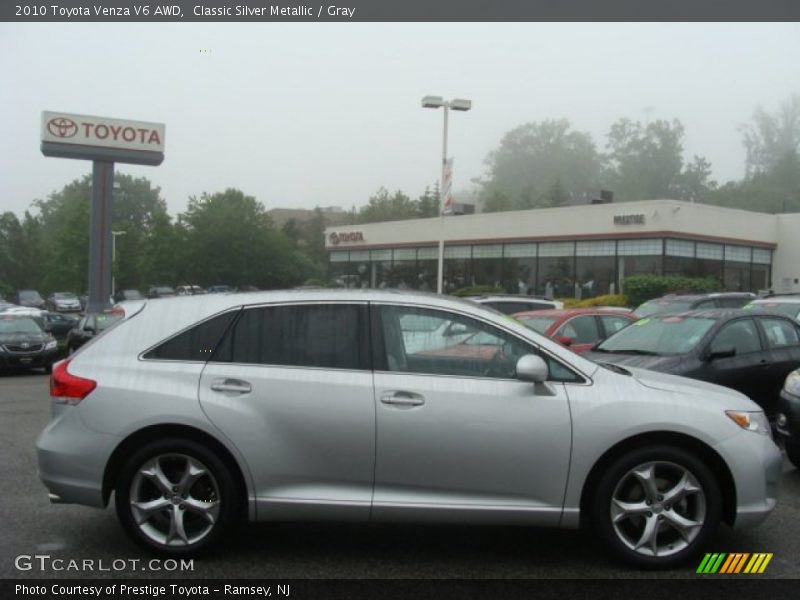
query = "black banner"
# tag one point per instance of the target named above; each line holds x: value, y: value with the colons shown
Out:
x: 112, y: 11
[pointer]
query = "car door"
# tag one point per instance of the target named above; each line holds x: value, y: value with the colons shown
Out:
x: 782, y: 341
x: 582, y: 330
x: 291, y: 386
x: 745, y: 370
x: 458, y: 436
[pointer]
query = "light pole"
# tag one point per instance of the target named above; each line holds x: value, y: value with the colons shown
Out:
x: 114, y: 235
x: 455, y: 104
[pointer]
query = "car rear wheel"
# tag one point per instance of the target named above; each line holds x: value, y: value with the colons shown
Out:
x: 176, y: 497
x: 657, y: 506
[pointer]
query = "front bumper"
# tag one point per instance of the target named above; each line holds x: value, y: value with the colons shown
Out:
x: 28, y: 360
x: 788, y: 427
x: 72, y: 458
x: 756, y: 465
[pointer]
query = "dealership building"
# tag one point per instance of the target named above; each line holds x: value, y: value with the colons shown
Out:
x: 575, y: 251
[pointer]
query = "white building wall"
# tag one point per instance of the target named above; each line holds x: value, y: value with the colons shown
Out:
x: 571, y: 222
x: 786, y: 261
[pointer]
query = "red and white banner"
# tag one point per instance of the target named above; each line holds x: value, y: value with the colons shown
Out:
x: 447, y: 187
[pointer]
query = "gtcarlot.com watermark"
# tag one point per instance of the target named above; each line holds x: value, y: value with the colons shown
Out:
x: 45, y: 562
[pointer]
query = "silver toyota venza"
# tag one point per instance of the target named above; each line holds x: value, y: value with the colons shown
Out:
x: 389, y: 406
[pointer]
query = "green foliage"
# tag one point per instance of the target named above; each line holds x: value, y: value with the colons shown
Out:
x: 620, y: 300
x: 383, y: 207
x: 477, y: 290
x: 641, y: 288
x: 537, y: 165
x: 646, y: 163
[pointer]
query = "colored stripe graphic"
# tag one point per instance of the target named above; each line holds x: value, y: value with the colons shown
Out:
x: 723, y: 563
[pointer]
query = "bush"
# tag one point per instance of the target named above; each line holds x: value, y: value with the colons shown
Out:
x: 641, y: 288
x: 478, y: 290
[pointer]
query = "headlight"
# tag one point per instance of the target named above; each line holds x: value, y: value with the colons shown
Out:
x: 756, y: 422
x: 792, y: 384
x: 50, y: 345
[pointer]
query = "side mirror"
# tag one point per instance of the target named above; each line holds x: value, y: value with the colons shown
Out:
x: 532, y: 368
x: 725, y: 351
x: 89, y: 329
x: 456, y: 329
x: 564, y: 340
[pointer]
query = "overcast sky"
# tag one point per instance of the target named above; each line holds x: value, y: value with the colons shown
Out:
x: 301, y: 115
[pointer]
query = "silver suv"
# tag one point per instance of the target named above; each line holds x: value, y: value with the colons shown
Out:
x: 199, y: 411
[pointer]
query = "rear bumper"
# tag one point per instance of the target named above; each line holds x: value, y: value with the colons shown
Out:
x: 72, y: 458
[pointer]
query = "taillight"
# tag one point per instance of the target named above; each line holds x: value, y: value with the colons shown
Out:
x: 69, y: 388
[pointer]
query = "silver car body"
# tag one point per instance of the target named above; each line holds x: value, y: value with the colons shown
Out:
x: 314, y: 443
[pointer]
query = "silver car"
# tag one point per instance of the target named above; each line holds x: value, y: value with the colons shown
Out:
x: 305, y: 405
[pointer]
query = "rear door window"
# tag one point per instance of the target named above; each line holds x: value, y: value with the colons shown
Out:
x: 780, y: 333
x: 330, y: 336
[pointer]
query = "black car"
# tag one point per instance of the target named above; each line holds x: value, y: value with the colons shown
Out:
x: 24, y: 344
x: 749, y: 351
x: 787, y: 424
x: 673, y: 303
x: 88, y: 327
x: 125, y: 295
x: 58, y: 325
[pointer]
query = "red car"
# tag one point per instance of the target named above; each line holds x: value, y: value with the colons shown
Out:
x: 578, y: 328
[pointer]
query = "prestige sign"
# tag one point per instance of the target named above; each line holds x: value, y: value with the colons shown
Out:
x: 102, y: 138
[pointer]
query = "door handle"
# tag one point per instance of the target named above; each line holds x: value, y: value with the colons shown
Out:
x: 236, y: 386
x: 402, y: 398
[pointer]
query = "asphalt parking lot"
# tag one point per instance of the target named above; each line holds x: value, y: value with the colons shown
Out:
x: 30, y: 525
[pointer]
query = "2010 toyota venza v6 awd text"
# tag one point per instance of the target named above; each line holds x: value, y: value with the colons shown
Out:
x: 380, y: 405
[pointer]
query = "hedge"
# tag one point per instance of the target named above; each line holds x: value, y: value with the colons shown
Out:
x: 641, y: 288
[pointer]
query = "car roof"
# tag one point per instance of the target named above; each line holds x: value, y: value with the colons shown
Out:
x: 717, y: 314
x: 778, y: 300
x: 564, y: 312
x: 515, y: 297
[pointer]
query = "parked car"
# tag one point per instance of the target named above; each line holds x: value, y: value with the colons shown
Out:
x: 787, y: 424
x: 673, y: 303
x: 512, y: 303
x: 304, y: 405
x: 127, y: 295
x: 29, y: 298
x: 89, y: 326
x: 189, y: 290
x: 788, y: 305
x: 578, y: 328
x: 220, y: 289
x: 58, y: 325
x: 160, y: 291
x: 749, y: 351
x: 24, y: 344
x: 63, y: 302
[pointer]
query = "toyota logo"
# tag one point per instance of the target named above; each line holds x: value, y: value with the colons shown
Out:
x: 25, y: 345
x: 334, y: 238
x: 61, y: 127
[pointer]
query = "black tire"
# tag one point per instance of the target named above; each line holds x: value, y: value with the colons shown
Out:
x: 206, y: 505
x: 793, y: 454
x: 640, y: 512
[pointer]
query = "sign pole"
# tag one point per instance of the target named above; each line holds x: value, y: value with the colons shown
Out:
x: 100, y: 236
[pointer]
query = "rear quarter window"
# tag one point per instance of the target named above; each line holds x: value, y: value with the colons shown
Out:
x: 197, y: 343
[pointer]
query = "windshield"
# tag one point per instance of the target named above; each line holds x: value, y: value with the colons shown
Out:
x: 19, y: 325
x: 654, y: 307
x: 790, y: 309
x: 659, y: 335
x: 540, y: 324
x: 105, y: 321
x: 29, y: 295
x: 65, y: 296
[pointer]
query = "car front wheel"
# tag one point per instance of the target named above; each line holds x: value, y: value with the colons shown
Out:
x: 657, y: 506
x: 176, y: 497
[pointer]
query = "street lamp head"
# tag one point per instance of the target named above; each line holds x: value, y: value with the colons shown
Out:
x: 118, y: 232
x: 432, y: 102
x: 460, y: 104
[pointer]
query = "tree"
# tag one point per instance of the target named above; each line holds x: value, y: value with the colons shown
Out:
x: 772, y: 139
x: 537, y: 159
x: 383, y: 207
x: 428, y: 203
x: 230, y: 239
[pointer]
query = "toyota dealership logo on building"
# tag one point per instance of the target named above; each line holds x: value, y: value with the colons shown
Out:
x: 62, y: 127
x: 346, y: 236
